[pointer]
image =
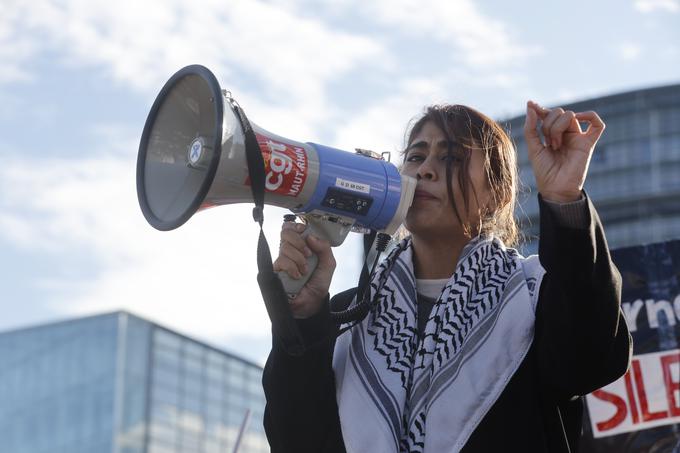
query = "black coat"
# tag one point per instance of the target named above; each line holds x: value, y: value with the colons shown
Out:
x: 580, y: 344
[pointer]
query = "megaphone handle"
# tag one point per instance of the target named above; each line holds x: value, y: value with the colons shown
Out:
x: 291, y: 285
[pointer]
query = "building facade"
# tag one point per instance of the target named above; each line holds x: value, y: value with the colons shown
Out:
x: 118, y: 383
x: 634, y: 174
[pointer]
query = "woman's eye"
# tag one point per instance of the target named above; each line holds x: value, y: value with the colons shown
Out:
x: 414, y: 158
x: 450, y: 158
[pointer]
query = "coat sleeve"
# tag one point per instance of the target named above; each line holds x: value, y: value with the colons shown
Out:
x: 301, y: 413
x: 582, y: 339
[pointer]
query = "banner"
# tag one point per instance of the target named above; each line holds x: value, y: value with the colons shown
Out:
x: 641, y: 411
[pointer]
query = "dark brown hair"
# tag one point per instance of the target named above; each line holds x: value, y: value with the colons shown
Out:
x: 472, y: 131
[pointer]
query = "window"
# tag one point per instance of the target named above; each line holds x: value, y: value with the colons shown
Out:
x: 167, y: 358
x: 164, y: 414
x: 163, y: 394
x: 165, y: 377
x: 164, y: 338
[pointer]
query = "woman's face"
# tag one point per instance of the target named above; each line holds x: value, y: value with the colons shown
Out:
x: 431, y: 212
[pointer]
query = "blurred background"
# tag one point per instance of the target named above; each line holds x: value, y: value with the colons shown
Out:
x: 77, y: 81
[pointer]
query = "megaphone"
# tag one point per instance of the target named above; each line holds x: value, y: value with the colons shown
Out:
x: 192, y: 156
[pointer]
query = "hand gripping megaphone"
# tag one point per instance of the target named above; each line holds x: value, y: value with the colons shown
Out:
x: 192, y: 156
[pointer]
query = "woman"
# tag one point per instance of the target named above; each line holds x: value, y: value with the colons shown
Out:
x: 469, y: 346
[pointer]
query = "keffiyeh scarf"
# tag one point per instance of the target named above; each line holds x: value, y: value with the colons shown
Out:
x: 399, y: 392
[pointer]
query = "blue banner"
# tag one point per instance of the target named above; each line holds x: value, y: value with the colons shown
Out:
x: 641, y: 411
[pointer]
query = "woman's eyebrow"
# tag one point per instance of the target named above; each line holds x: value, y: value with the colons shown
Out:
x: 440, y: 145
x: 417, y: 145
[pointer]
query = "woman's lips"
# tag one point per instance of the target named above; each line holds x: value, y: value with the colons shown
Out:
x: 424, y: 195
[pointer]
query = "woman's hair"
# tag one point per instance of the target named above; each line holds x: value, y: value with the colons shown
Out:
x: 472, y: 131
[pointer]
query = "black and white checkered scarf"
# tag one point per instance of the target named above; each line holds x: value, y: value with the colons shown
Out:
x: 398, y: 392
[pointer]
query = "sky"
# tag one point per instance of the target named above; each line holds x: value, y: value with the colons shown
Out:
x: 78, y: 78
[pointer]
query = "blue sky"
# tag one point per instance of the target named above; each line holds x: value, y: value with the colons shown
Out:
x: 78, y: 78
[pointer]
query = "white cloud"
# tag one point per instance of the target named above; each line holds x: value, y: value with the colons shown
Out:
x: 670, y: 52
x: 480, y: 40
x: 381, y: 126
x: 650, y: 6
x: 288, y: 58
x: 16, y: 46
x: 630, y: 51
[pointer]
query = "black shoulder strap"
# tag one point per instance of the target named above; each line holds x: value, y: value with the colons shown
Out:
x: 275, y: 298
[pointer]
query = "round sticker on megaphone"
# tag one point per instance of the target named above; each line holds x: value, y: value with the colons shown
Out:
x: 196, y: 154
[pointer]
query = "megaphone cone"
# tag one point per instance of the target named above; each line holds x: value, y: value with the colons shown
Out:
x: 192, y: 154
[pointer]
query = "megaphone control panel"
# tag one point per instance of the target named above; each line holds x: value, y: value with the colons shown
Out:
x: 347, y: 202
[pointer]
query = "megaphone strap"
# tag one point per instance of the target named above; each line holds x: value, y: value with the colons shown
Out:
x: 273, y: 293
x: 255, y: 164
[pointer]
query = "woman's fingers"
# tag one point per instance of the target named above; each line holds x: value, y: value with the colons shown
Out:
x: 556, y: 122
x: 595, y: 124
x: 293, y: 251
x: 285, y: 264
x: 548, y: 122
x: 295, y: 255
x: 534, y: 144
x: 565, y: 122
x: 541, y: 112
x: 322, y: 249
x: 547, y: 118
x: 292, y: 234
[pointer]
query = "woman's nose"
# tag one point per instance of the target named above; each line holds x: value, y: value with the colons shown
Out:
x: 426, y: 170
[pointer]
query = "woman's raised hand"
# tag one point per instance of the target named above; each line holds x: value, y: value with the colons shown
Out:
x: 292, y: 259
x: 560, y: 163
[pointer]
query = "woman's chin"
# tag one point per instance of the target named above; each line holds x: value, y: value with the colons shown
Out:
x: 419, y: 226
x: 427, y: 226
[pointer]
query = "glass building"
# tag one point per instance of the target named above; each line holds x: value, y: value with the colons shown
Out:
x: 634, y: 174
x: 117, y: 383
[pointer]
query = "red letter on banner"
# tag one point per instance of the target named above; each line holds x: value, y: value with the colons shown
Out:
x: 642, y: 395
x: 621, y: 410
x: 671, y: 385
x: 631, y: 398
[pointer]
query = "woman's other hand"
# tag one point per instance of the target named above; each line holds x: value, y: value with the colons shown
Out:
x: 292, y: 259
x: 561, y: 162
